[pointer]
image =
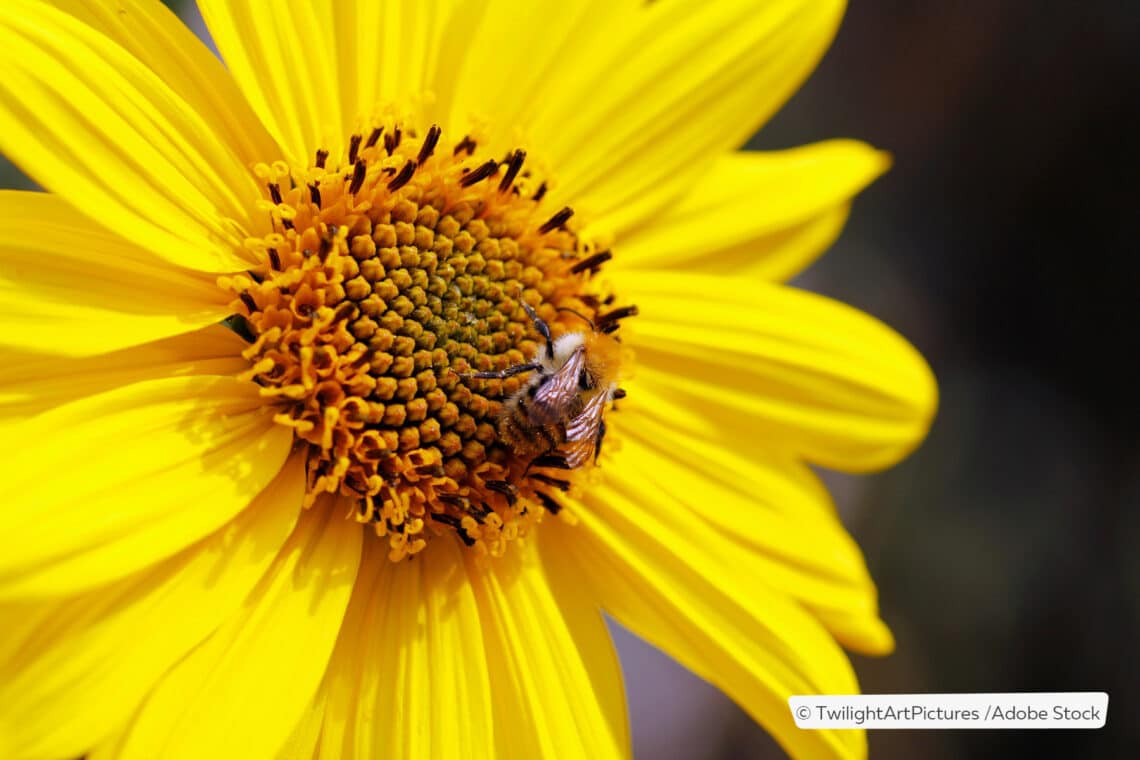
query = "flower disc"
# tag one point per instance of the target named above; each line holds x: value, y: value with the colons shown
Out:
x: 388, y: 280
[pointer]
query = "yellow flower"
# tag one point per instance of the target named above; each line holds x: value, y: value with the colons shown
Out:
x: 259, y: 503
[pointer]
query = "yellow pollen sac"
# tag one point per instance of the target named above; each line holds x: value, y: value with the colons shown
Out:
x: 433, y: 335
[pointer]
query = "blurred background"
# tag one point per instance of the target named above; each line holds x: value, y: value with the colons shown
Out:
x: 1003, y: 245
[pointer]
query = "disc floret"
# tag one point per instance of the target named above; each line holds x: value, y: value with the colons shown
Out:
x: 387, y: 278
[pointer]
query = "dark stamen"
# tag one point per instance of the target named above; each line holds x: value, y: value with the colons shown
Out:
x: 354, y: 147
x: 275, y: 192
x: 506, y: 489
x: 287, y: 223
x: 479, y: 174
x: 346, y: 310
x: 608, y: 322
x: 403, y: 177
x: 326, y: 246
x: 514, y: 164
x: 239, y: 325
x: 559, y: 483
x: 619, y: 394
x: 465, y: 145
x: 357, y: 178
x: 592, y: 262
x: 392, y: 140
x: 322, y: 156
x: 255, y: 276
x: 374, y: 137
x: 250, y: 304
x: 539, y: 193
x: 274, y: 259
x: 456, y: 499
x: 556, y: 221
x: 315, y: 194
x: 429, y: 143
x: 454, y: 523
x: 551, y: 505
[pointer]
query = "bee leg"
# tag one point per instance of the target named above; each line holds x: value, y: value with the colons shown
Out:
x: 540, y: 325
x: 551, y: 459
x: 598, y: 440
x: 518, y: 369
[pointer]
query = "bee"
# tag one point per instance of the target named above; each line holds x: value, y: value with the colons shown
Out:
x: 557, y: 417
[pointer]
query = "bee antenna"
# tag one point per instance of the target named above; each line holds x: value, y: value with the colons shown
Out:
x: 540, y: 325
x: 579, y: 315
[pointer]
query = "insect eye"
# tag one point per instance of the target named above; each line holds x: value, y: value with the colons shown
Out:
x: 585, y: 382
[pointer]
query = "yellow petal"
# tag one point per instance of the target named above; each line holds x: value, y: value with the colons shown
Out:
x: 283, y: 59
x: 752, y: 204
x: 630, y: 117
x: 153, y: 34
x: 302, y: 743
x: 87, y: 120
x: 497, y: 58
x: 241, y: 692
x: 782, y: 255
x: 386, y: 54
x: 110, y: 484
x: 778, y: 364
x: 32, y: 382
x: 772, y: 519
x: 409, y: 677
x: 670, y: 587
x: 70, y: 679
x: 70, y: 287
x: 554, y: 676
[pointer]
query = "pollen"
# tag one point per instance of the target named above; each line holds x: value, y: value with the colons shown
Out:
x: 394, y: 309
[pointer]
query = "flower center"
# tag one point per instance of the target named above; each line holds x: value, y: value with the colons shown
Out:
x: 432, y: 334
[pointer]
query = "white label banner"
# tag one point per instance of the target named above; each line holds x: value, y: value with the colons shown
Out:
x: 1080, y: 709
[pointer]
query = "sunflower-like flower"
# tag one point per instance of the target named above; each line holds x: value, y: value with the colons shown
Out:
x: 309, y: 360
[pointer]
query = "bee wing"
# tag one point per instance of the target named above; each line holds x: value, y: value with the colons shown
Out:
x: 558, y: 391
x: 582, y: 431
